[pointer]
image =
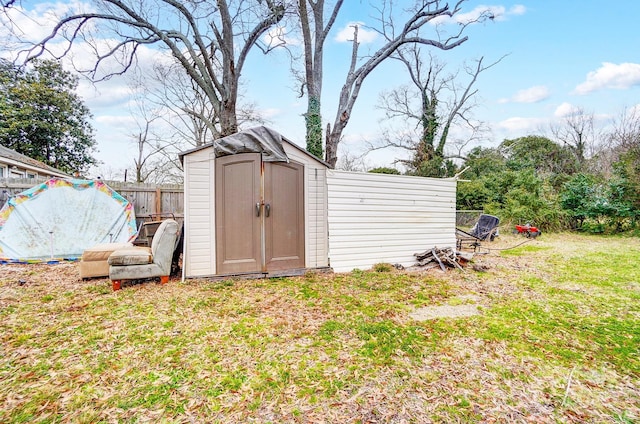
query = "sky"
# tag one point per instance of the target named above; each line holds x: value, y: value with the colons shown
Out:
x: 556, y: 56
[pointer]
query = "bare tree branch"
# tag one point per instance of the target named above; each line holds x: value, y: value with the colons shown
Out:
x: 436, y: 102
x: 426, y: 12
x: 210, y: 40
x: 577, y: 133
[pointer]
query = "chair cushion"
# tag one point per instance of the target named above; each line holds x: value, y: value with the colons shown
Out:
x: 131, y: 256
x: 101, y: 252
x: 92, y: 269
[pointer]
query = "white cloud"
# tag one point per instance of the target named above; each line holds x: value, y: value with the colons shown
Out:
x: 270, y: 113
x: 517, y: 10
x: 20, y: 27
x: 635, y: 110
x: 83, y: 57
x: 118, y: 122
x: 112, y: 93
x: 611, y: 75
x: 364, y: 35
x: 498, y: 13
x: 475, y: 14
x: 566, y: 109
x: 521, y: 125
x: 534, y: 94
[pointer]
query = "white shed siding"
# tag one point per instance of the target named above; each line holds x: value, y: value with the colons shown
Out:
x: 315, y: 207
x: 199, y: 214
x: 377, y: 218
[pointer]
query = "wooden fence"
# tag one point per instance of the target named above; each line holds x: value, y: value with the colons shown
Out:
x: 150, y: 201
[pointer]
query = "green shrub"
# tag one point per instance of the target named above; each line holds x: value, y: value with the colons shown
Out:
x: 382, y: 267
x: 384, y: 170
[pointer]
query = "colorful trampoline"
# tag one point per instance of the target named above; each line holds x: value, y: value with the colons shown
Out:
x: 59, y: 219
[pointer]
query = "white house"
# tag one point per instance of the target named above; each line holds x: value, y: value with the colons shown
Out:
x: 17, y: 165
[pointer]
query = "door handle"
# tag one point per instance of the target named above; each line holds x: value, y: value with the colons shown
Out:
x: 258, y: 209
x: 267, y: 210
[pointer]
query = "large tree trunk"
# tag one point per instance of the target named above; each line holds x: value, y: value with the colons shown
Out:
x: 313, y: 121
x: 228, y: 117
x: 429, y: 120
x: 313, y: 58
x: 331, y: 154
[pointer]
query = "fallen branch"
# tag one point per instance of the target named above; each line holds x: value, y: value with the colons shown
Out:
x: 566, y: 391
x: 441, y: 257
x: 435, y: 255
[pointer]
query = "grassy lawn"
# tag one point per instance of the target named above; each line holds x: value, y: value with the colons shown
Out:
x: 557, y: 340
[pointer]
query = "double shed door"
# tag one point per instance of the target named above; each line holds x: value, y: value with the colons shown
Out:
x: 259, y: 214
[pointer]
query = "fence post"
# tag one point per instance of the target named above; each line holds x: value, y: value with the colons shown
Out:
x: 158, y: 205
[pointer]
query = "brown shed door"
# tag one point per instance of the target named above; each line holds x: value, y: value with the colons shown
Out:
x: 284, y: 215
x: 238, y: 247
x: 252, y: 238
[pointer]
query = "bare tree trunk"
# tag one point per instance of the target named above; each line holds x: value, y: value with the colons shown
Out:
x: 139, y: 162
x: 430, y: 125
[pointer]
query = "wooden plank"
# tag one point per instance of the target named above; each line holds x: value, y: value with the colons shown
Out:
x: 158, y: 201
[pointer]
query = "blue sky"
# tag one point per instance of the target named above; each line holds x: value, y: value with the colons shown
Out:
x: 560, y: 55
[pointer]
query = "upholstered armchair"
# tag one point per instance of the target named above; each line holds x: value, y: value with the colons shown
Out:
x: 138, y: 263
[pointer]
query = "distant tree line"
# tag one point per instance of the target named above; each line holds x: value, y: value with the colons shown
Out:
x: 557, y: 185
x: 574, y: 180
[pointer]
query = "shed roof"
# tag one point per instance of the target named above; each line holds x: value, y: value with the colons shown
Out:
x: 259, y: 139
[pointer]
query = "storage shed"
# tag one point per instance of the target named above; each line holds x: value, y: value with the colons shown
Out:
x: 376, y: 218
x: 255, y: 203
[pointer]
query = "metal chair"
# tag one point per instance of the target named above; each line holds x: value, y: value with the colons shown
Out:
x: 485, y: 229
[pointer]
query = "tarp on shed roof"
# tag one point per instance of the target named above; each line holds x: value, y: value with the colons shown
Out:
x: 61, y: 218
x: 254, y: 140
x: 260, y: 139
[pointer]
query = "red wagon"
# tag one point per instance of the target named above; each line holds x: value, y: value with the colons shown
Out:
x: 528, y: 230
